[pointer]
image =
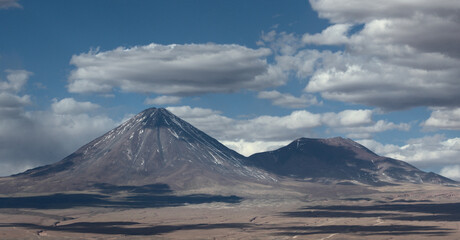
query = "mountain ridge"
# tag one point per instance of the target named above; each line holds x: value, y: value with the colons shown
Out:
x: 155, y: 146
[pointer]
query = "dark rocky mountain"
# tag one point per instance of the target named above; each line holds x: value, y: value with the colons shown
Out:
x: 154, y: 146
x: 339, y: 160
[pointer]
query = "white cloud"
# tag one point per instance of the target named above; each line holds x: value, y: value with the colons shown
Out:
x: 381, y: 65
x: 288, y: 57
x: 275, y: 128
x: 372, y: 71
x: 379, y: 148
x: 33, y: 138
x: 249, y: 148
x: 11, y: 104
x: 264, y: 132
x: 287, y: 100
x: 208, y: 120
x: 192, y: 113
x: 333, y: 35
x: 189, y: 69
x: 430, y: 152
x: 358, y: 124
x: 282, y: 43
x: 443, y: 118
x: 9, y: 100
x: 162, y: 100
x: 376, y: 127
x: 5, y: 4
x: 303, y: 63
x: 70, y: 106
x: 375, y: 82
x: 15, y: 80
x: 74, y: 129
x: 452, y: 172
x: 348, y: 118
x: 262, y: 128
x: 361, y: 11
x: 397, y: 54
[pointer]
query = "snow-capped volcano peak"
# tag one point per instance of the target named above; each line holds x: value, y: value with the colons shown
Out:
x: 158, y: 117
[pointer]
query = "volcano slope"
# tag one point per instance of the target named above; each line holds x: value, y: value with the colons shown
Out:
x: 156, y: 176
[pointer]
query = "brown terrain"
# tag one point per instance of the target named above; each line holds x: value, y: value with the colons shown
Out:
x: 321, y: 212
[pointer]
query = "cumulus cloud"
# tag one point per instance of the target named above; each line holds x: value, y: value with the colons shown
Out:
x: 4, y: 4
x: 287, y: 100
x: 289, y: 55
x: 189, y: 69
x: 430, y: 152
x: 443, y: 118
x: 75, y: 129
x: 33, y: 138
x: 8, y: 100
x: 397, y: 54
x: 282, y: 43
x: 348, y: 118
x: 376, y: 82
x: 367, y: 131
x: 162, y: 100
x: 262, y: 128
x: 391, y: 79
x: 333, y: 35
x: 248, y: 148
x: 11, y: 104
x: 266, y: 132
x: 70, y: 106
x: 452, y: 172
x: 15, y: 80
x: 358, y: 124
x: 361, y: 11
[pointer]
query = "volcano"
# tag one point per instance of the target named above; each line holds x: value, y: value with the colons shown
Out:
x: 340, y: 160
x: 155, y: 146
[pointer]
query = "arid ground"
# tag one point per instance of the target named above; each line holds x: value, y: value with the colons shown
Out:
x: 315, y: 212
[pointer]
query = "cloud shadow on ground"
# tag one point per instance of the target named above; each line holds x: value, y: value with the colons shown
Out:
x: 124, y: 228
x: 410, y: 211
x: 393, y: 230
x: 148, y: 196
x: 135, y: 228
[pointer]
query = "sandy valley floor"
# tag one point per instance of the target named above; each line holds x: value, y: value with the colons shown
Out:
x: 400, y: 212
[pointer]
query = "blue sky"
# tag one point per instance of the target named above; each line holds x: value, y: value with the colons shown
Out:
x: 253, y: 74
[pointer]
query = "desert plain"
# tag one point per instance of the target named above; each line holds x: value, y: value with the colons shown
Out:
x: 299, y: 211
